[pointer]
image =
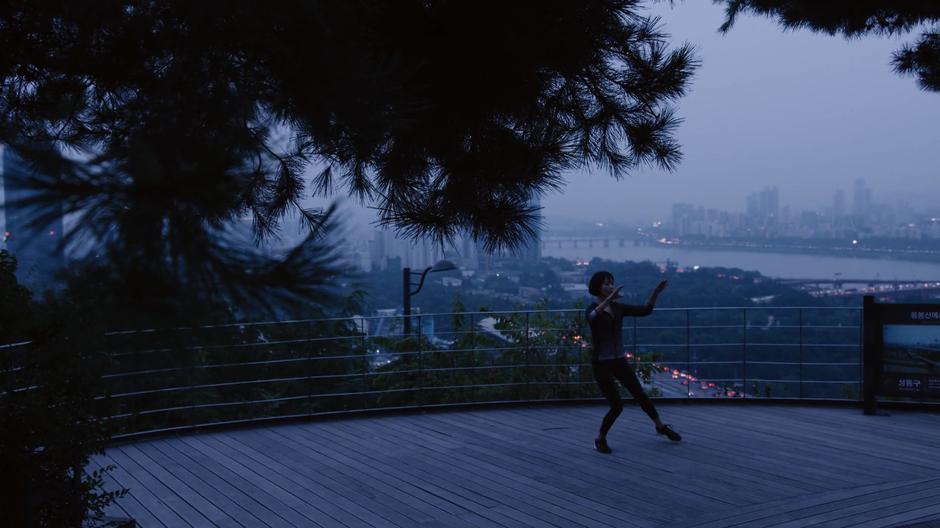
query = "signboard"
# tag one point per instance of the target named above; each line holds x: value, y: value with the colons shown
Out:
x: 902, y: 351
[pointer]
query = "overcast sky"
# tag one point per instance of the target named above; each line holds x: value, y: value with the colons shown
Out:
x: 805, y: 112
x: 808, y: 113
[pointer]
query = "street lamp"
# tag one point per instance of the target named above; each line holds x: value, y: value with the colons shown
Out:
x: 441, y: 265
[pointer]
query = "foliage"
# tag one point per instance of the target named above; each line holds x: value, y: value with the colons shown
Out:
x: 50, y: 425
x: 861, y: 17
x: 15, y: 301
x: 451, y: 116
x: 174, y: 378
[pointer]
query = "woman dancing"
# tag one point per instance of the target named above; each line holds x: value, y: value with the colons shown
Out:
x: 606, y: 319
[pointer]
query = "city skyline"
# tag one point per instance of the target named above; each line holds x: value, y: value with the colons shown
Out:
x: 801, y: 111
x: 804, y: 112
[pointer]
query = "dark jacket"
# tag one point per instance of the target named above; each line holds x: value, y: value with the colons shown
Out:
x: 607, y: 331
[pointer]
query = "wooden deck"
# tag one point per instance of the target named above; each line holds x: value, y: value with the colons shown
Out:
x: 738, y: 465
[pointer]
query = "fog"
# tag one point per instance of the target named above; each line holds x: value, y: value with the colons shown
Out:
x: 807, y: 113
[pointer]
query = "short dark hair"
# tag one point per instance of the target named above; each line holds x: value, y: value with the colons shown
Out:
x: 597, y: 280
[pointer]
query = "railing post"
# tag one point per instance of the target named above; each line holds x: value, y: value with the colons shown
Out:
x: 473, y: 348
x: 107, y: 391
x: 634, y: 338
x: 420, y: 397
x: 801, y: 353
x: 526, y: 356
x: 861, y: 353
x: 561, y: 373
x: 688, y: 352
x: 135, y: 406
x: 9, y: 372
x: 192, y: 397
x: 473, y: 338
x: 871, y: 360
x: 744, y: 392
x: 308, y: 368
x: 365, y: 357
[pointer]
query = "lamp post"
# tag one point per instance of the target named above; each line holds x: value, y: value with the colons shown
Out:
x: 441, y: 265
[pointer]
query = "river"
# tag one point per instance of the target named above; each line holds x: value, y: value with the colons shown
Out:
x: 779, y: 265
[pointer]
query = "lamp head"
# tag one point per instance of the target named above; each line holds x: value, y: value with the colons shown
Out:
x: 443, y: 265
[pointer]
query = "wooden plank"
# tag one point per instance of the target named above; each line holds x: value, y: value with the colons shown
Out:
x: 524, y: 478
x: 163, y: 511
x: 901, y: 509
x: 129, y: 503
x: 127, y: 456
x: 291, y: 492
x: 411, y: 483
x: 840, y: 422
x: 467, y: 502
x: 164, y: 470
x: 740, y: 436
x: 931, y: 520
x: 776, y: 459
x: 809, y: 454
x: 430, y: 501
x: 282, y: 501
x: 330, y: 494
x: 836, y: 436
x: 783, y: 466
x: 491, y: 464
x: 234, y: 513
x: 847, y: 512
x: 813, y: 502
x: 641, y: 472
x: 426, y: 466
x: 698, y: 461
x: 216, y: 475
x: 893, y: 427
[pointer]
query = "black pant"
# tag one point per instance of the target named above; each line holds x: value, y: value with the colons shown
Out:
x: 604, y: 374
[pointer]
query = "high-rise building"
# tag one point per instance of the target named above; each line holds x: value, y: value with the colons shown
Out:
x: 682, y: 217
x: 770, y: 202
x: 32, y: 232
x: 381, y: 248
x: 838, y: 204
x: 862, y: 199
x: 753, y: 205
x: 764, y: 205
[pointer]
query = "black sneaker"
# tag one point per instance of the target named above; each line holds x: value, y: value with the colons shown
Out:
x: 601, y: 445
x: 670, y: 434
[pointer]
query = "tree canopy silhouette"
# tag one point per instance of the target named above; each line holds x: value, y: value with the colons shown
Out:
x: 179, y: 117
x: 861, y: 17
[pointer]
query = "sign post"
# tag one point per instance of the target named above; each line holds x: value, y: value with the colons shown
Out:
x: 901, y: 352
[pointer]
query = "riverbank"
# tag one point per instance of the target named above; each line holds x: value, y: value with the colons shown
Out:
x: 911, y: 255
x: 785, y: 264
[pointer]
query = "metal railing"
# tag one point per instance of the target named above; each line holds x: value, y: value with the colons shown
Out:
x: 161, y: 380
